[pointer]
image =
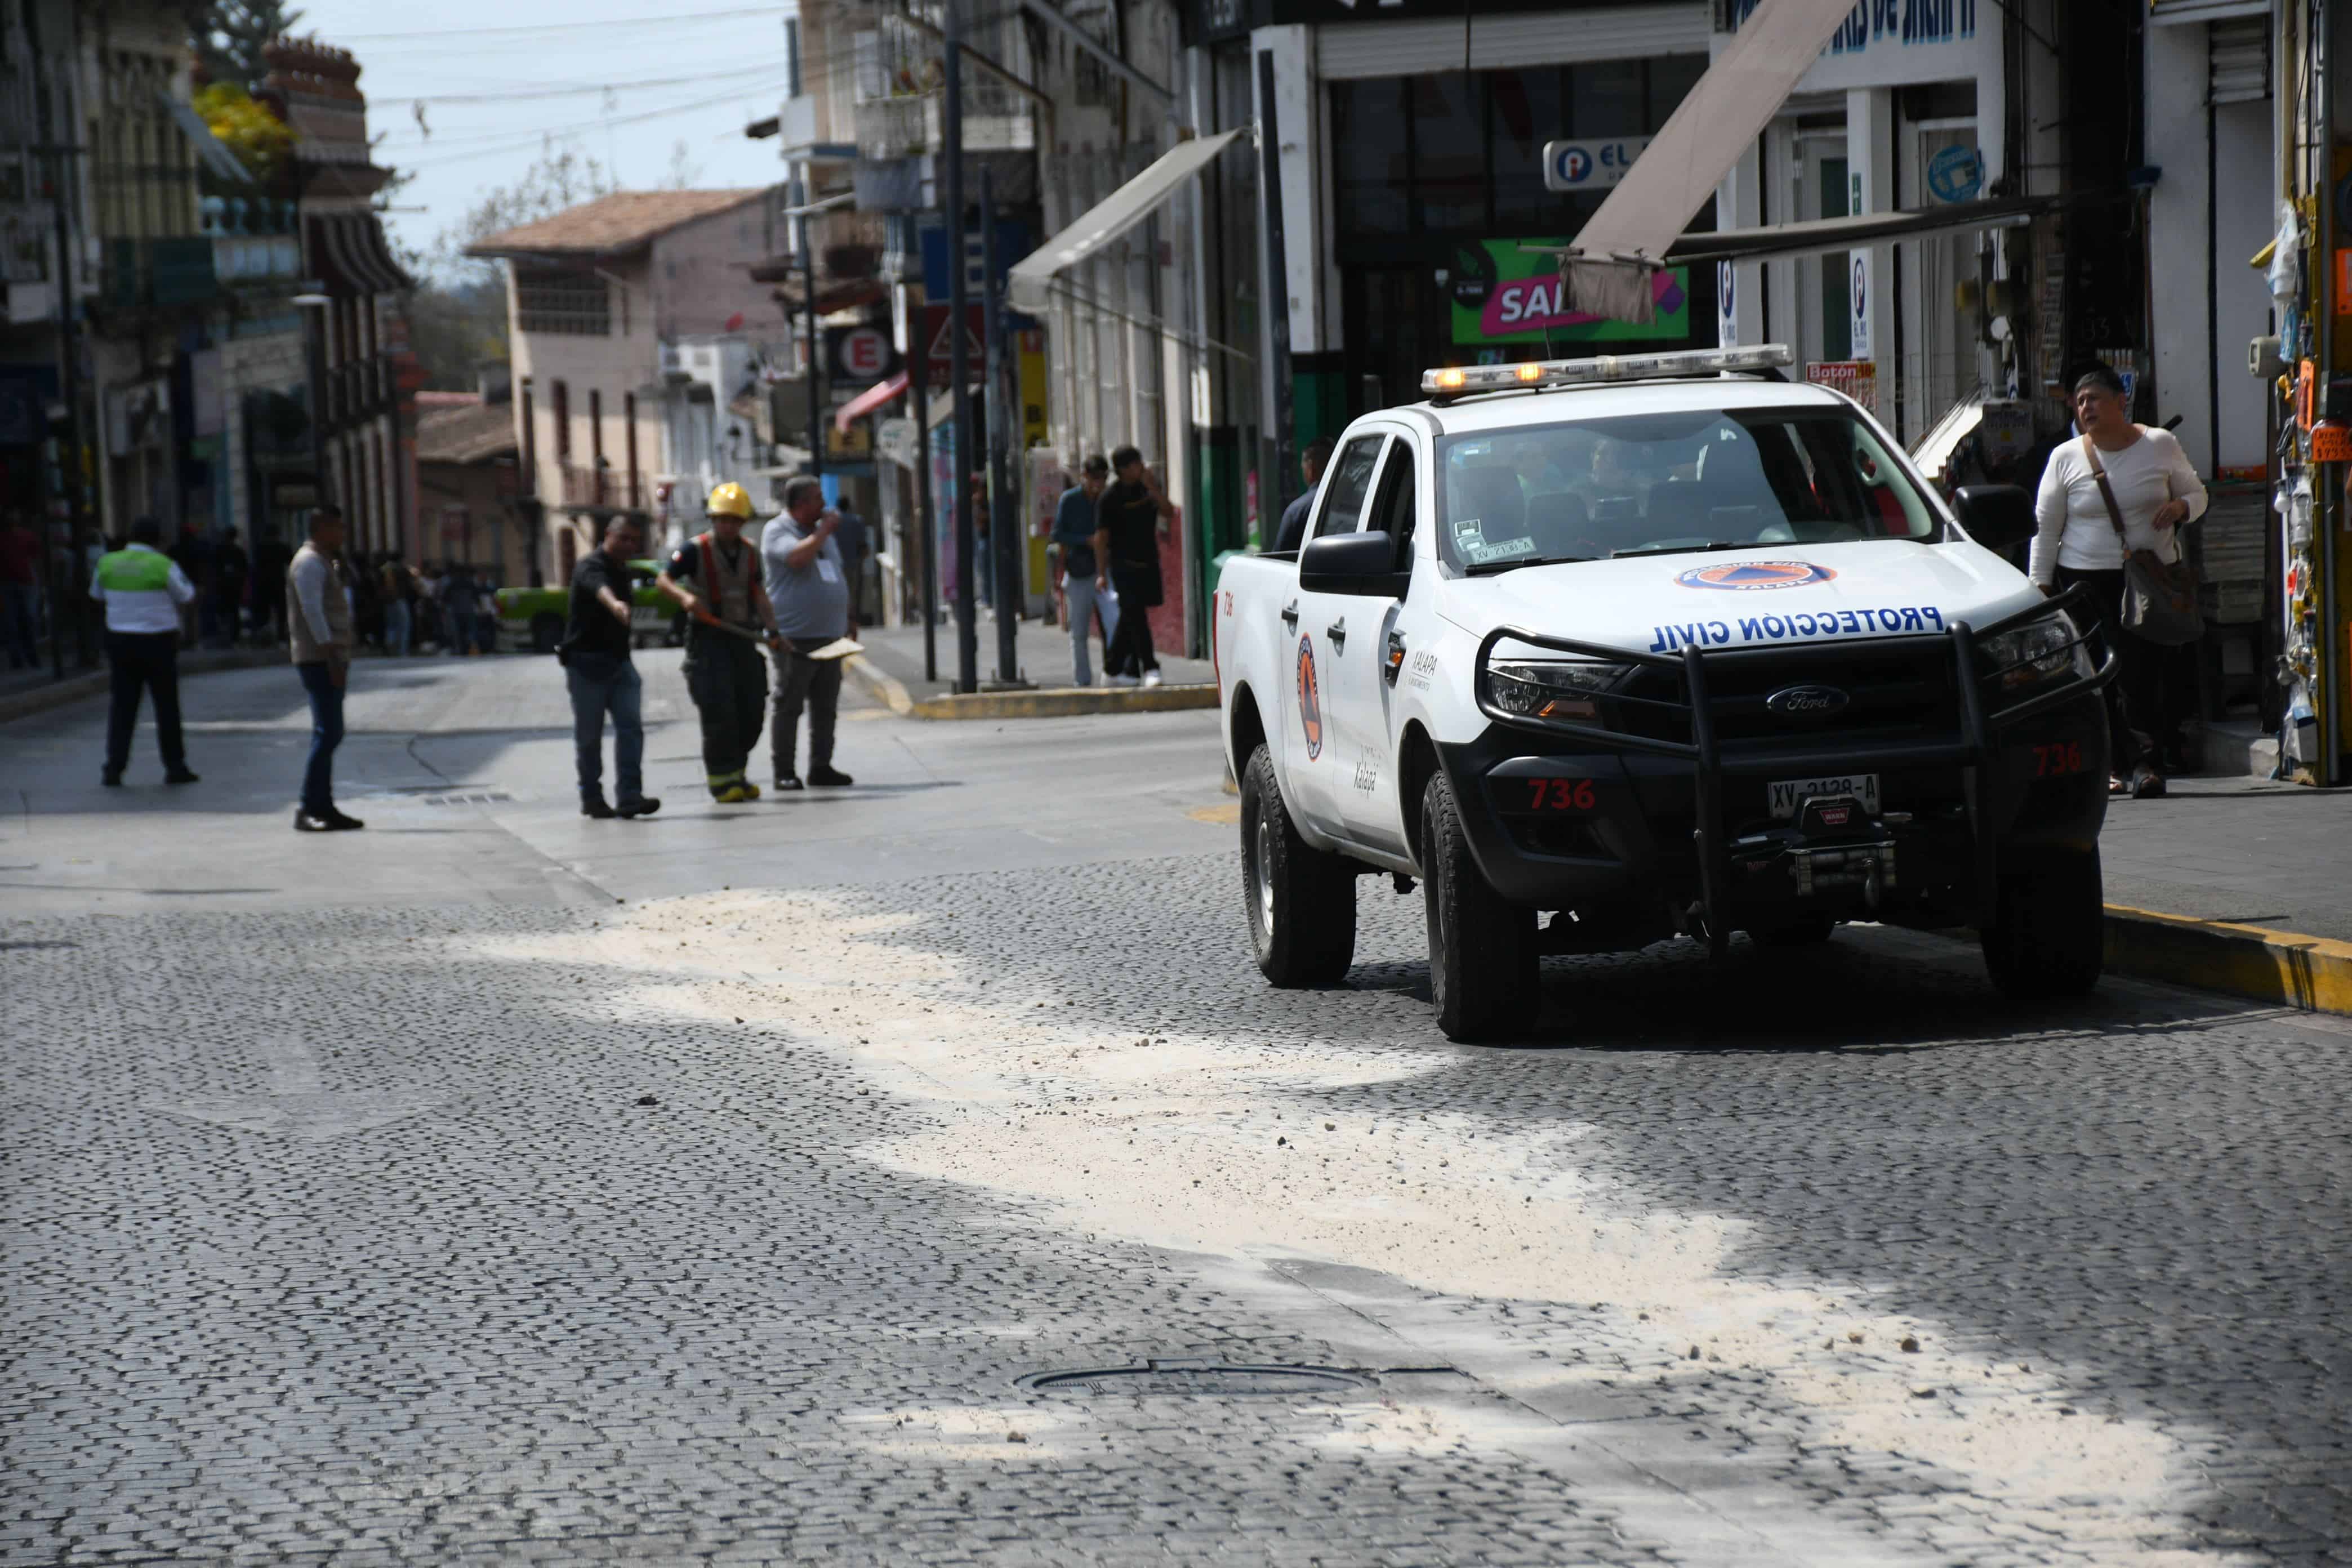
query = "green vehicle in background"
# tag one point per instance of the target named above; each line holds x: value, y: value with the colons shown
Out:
x: 533, y: 618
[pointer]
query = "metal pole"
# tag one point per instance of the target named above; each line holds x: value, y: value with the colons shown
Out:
x: 959, y: 369
x: 1276, y: 444
x: 60, y: 150
x: 1004, y: 529
x: 815, y: 347
x: 314, y: 347
x: 927, y: 548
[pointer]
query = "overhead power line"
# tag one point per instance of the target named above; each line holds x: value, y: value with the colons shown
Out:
x: 544, y: 27
x: 579, y: 89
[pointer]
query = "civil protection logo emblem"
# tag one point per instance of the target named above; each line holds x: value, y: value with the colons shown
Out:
x: 1310, y: 699
x: 1749, y: 576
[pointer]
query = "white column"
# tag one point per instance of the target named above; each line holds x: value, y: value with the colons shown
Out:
x: 1299, y: 124
x: 1738, y: 204
x: 1870, y: 284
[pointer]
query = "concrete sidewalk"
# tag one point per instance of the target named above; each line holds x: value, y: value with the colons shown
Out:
x: 25, y: 692
x: 892, y: 669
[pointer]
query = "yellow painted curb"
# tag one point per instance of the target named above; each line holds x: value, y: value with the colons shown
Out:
x: 2313, y: 973
x: 1065, y: 702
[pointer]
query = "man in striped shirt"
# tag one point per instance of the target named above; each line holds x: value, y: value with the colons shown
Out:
x: 143, y: 590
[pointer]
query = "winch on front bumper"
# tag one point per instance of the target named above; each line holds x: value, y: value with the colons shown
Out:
x: 1659, y: 784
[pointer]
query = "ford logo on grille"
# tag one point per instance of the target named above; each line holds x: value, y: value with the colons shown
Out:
x: 1808, y: 701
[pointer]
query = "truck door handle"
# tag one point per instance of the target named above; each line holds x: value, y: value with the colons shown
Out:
x: 1338, y: 632
x: 1290, y: 615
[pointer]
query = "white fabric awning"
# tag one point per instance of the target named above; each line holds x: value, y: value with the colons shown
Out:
x: 1609, y: 266
x: 1027, y: 286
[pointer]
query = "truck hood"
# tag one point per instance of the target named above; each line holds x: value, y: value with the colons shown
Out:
x: 1771, y: 595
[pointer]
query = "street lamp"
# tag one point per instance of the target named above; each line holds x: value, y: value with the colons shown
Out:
x: 314, y: 332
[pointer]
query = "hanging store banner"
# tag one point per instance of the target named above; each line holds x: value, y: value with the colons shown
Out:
x: 1504, y: 294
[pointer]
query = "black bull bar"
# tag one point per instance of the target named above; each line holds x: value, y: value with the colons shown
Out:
x: 1969, y: 748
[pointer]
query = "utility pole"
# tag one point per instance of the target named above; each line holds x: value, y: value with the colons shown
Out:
x: 815, y: 346
x: 1004, y: 533
x: 926, y: 546
x: 58, y: 169
x: 959, y: 366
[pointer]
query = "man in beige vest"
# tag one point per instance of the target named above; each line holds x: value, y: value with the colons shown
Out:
x: 714, y: 579
x: 320, y: 615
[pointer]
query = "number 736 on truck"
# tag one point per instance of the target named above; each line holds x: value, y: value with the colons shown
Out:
x: 1605, y: 651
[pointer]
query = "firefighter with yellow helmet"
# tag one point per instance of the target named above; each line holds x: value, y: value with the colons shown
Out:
x: 715, y: 578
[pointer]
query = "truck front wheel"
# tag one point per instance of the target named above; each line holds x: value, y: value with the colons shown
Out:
x: 1482, y: 950
x: 1302, y: 901
x: 2048, y: 936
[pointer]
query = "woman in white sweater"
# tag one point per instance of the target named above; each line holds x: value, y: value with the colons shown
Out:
x: 2157, y: 492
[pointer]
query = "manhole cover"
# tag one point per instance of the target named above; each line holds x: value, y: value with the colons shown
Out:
x: 1215, y: 1380
x: 465, y: 797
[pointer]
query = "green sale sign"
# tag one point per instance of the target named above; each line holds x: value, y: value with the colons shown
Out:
x: 1507, y: 295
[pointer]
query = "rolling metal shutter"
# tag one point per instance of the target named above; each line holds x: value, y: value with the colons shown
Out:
x: 1345, y: 50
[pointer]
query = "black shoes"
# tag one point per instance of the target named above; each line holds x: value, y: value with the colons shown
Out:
x: 111, y: 778
x: 829, y: 777
x: 642, y: 806
x: 329, y: 821
x: 597, y: 809
x: 181, y: 775
x: 788, y: 784
x: 2146, y: 783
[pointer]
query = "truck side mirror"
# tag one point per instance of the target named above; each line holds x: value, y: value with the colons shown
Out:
x: 1353, y: 563
x: 1997, y: 517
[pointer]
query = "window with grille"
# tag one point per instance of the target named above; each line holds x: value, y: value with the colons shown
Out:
x: 562, y: 301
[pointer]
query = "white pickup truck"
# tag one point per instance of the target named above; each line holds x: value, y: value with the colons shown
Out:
x: 1606, y: 651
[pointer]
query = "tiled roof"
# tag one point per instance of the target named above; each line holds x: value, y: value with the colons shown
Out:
x: 472, y: 434
x: 622, y: 221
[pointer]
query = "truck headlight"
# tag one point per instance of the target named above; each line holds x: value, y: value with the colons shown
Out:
x: 1552, y: 689
x: 2037, y: 651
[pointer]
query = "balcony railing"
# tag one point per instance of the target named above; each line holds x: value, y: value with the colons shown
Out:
x: 905, y: 126
x: 593, y: 487
x: 147, y: 272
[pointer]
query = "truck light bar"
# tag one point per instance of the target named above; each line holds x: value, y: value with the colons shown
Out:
x: 1456, y: 380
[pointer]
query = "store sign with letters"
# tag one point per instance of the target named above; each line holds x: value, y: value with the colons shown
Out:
x: 1504, y: 294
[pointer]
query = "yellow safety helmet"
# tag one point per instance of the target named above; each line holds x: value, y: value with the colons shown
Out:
x: 729, y: 499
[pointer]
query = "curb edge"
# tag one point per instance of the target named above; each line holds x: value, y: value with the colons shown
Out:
x: 2284, y: 968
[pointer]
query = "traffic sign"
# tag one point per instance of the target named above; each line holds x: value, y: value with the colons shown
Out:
x: 858, y: 356
x: 940, y: 347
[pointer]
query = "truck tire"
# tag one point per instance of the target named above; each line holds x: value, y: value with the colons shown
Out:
x: 546, y: 631
x: 1301, y: 901
x: 2048, y: 936
x: 1482, y: 971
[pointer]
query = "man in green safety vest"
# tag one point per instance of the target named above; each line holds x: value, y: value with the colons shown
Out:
x: 143, y: 590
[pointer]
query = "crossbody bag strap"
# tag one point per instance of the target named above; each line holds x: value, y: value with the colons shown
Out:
x: 2107, y: 492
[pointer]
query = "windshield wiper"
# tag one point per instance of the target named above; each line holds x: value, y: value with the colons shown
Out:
x: 1687, y: 549
x: 1488, y: 568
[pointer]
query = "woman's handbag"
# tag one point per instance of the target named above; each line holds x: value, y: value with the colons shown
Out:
x: 2159, y: 596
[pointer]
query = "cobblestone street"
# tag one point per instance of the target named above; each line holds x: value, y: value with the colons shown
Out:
x: 742, y: 1198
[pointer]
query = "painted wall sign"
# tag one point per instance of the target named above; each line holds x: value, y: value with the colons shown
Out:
x: 1955, y: 175
x: 1503, y: 294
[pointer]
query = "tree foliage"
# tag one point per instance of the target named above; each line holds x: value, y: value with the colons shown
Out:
x: 561, y: 176
x: 231, y: 34
x: 261, y: 141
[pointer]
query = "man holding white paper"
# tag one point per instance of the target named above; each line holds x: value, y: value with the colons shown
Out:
x: 809, y: 587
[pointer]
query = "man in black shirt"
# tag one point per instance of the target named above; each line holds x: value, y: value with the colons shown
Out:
x: 1311, y: 464
x: 1127, y: 534
x: 602, y: 679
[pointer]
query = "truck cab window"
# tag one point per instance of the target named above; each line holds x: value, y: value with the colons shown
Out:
x: 1347, y: 484
x: 1394, y: 511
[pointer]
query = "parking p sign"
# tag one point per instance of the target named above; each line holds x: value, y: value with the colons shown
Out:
x: 859, y: 356
x: 1590, y: 165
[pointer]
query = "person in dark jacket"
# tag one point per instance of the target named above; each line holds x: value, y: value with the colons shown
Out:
x: 1311, y: 464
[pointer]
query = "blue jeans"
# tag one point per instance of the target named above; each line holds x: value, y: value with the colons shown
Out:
x: 396, y: 628
x: 326, y: 734
x: 602, y: 683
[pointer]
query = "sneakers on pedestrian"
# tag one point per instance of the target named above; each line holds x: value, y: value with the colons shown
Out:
x: 2146, y: 783
x: 829, y: 777
x: 1152, y: 675
x: 788, y: 784
x: 594, y: 806
x: 737, y: 793
x: 306, y: 823
x: 342, y: 823
x: 637, y: 805
x: 1120, y: 680
x: 181, y: 775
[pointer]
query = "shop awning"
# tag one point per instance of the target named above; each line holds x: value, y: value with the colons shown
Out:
x: 1820, y: 236
x: 1609, y: 266
x: 875, y: 396
x: 1029, y: 284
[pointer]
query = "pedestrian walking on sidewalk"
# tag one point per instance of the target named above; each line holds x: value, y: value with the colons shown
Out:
x: 808, y: 585
x: 1128, y: 524
x: 399, y: 606
x: 2156, y: 493
x: 20, y: 592
x: 457, y: 596
x: 1086, y: 581
x: 602, y: 679
x: 143, y: 591
x: 319, y: 616
x: 231, y: 570
x: 270, y: 559
x: 714, y: 577
x: 1311, y: 464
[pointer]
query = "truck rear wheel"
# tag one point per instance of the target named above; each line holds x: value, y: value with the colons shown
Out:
x: 2048, y: 936
x: 1482, y: 971
x: 1301, y: 901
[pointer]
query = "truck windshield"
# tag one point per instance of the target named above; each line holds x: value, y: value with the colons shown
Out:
x: 1591, y: 489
